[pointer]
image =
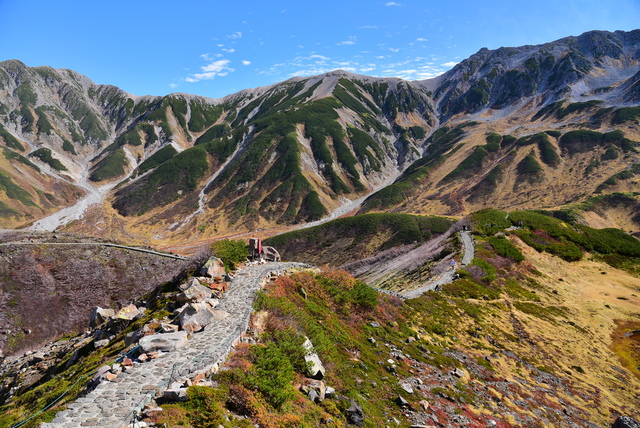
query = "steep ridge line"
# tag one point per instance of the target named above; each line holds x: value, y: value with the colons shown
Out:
x: 114, y: 404
x: 125, y: 247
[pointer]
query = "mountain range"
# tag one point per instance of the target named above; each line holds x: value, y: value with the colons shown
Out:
x: 552, y: 125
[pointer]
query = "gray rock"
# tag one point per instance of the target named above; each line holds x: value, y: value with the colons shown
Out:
x: 163, y: 342
x: 196, y: 316
x: 102, y: 334
x: 329, y: 392
x: 459, y: 373
x: 400, y: 401
x: 133, y: 337
x: 195, y: 292
x: 374, y: 324
x: 315, y: 369
x: 213, y: 268
x: 101, y: 343
x: 177, y: 394
x: 37, y: 357
x: 355, y: 415
x: 100, y: 316
x: 407, y: 387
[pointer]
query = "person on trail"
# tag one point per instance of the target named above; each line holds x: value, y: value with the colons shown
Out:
x: 453, y: 264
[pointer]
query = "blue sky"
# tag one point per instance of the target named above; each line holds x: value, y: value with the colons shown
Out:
x: 215, y: 48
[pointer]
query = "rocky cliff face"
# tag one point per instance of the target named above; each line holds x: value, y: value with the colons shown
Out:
x: 295, y: 151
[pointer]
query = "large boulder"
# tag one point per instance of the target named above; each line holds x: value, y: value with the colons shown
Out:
x: 213, y: 268
x: 164, y: 342
x: 128, y: 313
x: 196, y: 316
x: 194, y: 292
x: 100, y: 316
x: 315, y: 369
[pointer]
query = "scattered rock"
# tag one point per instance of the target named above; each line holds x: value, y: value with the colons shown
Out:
x: 355, y: 415
x: 400, y: 401
x: 163, y: 342
x: 128, y: 313
x: 407, y: 387
x: 459, y: 373
x: 133, y: 337
x: 169, y: 328
x: 196, y: 316
x: 100, y: 316
x: 315, y: 369
x: 317, y: 387
x: 175, y: 394
x: 425, y: 405
x: 374, y: 324
x: 194, y: 292
x: 213, y: 268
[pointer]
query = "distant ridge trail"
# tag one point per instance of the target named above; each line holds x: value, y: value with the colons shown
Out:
x: 113, y: 404
x: 447, y: 277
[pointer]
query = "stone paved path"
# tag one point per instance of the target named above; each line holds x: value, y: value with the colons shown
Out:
x: 111, y: 404
x: 468, y: 253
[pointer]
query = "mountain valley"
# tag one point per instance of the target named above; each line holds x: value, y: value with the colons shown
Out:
x: 530, y: 156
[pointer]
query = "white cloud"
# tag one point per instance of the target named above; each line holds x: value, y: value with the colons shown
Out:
x: 320, y: 57
x: 450, y: 64
x: 212, y: 70
x: 351, y: 40
x: 394, y: 49
x: 421, y: 39
x: 236, y: 35
x: 392, y: 3
x: 173, y: 85
x: 245, y: 62
x: 228, y: 50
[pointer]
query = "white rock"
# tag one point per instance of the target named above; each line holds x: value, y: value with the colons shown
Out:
x: 164, y: 342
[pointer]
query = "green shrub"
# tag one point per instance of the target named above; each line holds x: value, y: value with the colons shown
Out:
x: 467, y: 289
x: 530, y: 168
x: 10, y: 154
x: 291, y: 344
x: 67, y: 146
x: 272, y: 374
x: 13, y: 191
x: 111, y: 166
x: 44, y: 154
x: 158, y: 158
x: 231, y: 252
x: 10, y: 140
x: 505, y: 248
x: 610, y: 154
x: 626, y: 114
x: 471, y: 165
x: 489, y: 221
x: 362, y: 296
